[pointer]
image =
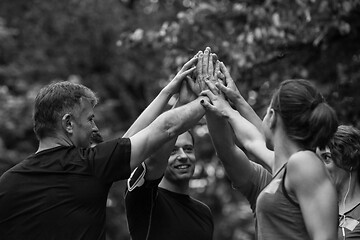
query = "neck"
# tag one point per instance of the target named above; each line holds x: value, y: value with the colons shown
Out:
x: 349, y: 194
x: 52, y: 142
x: 178, y: 186
x: 283, y: 149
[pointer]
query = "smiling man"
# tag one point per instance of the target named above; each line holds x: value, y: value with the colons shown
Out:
x: 160, y: 207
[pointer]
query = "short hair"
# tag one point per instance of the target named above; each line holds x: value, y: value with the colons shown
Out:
x: 308, y: 119
x: 53, y: 101
x: 345, y: 147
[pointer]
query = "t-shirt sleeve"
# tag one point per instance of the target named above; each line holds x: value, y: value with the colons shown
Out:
x: 138, y: 204
x: 110, y: 160
x: 258, y: 180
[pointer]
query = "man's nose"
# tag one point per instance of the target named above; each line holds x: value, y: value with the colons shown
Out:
x: 182, y: 155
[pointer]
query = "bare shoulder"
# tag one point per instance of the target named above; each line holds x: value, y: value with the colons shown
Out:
x: 305, y: 168
x: 305, y: 160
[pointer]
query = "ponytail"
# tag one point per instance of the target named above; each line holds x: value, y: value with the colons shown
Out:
x: 308, y: 119
x: 322, y: 125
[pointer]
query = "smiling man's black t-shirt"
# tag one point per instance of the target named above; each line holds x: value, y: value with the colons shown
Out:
x: 154, y: 213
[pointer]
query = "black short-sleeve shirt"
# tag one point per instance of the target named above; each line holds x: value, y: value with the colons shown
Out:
x: 155, y: 213
x: 61, y: 193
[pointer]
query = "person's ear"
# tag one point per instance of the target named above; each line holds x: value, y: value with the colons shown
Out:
x: 66, y: 123
x: 272, y: 118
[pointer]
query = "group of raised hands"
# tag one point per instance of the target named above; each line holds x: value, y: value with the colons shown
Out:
x: 205, y: 75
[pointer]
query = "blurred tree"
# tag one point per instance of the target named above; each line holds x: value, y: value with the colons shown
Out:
x: 127, y: 50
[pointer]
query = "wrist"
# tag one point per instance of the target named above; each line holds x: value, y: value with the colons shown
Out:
x: 231, y: 113
x: 239, y: 100
x: 166, y: 93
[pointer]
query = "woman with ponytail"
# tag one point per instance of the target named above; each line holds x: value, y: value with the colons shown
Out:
x: 295, y: 198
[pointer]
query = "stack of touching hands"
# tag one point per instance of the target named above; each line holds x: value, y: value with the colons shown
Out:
x: 205, y: 75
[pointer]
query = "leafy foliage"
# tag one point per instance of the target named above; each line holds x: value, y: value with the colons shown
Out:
x: 126, y: 50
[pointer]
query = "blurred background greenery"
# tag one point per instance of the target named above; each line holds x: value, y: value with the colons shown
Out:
x: 127, y: 50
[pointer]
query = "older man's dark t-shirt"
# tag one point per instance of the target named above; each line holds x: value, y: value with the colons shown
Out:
x: 61, y: 193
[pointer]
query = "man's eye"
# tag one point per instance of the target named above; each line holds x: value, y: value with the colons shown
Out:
x: 188, y: 149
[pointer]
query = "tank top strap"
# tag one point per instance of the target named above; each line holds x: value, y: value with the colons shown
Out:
x: 285, y: 191
x: 279, y: 171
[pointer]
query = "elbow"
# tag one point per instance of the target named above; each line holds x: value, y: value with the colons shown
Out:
x: 171, y: 133
x: 169, y: 127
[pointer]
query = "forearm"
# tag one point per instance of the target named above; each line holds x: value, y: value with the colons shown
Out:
x: 234, y: 160
x: 157, y: 163
x: 246, y: 133
x: 180, y: 119
x: 167, y: 126
x: 251, y: 139
x: 155, y: 108
x: 221, y: 134
x: 244, y: 108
